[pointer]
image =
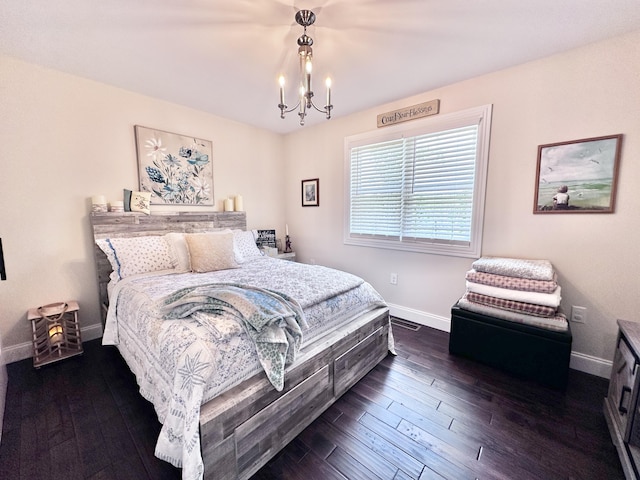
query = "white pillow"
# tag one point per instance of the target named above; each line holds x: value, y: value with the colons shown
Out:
x: 140, y: 255
x: 210, y: 252
x: 179, y: 252
x: 244, y: 245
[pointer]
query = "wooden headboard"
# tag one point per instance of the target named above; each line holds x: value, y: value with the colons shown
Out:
x: 129, y: 224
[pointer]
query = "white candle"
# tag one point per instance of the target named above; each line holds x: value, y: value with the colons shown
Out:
x: 99, y: 200
x: 286, y: 229
x: 228, y: 205
x: 281, y: 80
x: 239, y: 203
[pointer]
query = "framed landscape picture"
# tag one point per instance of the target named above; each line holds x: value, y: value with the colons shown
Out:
x: 311, y: 192
x: 578, y: 176
x: 176, y: 169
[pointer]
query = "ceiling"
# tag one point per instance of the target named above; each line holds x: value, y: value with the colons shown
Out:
x: 224, y: 57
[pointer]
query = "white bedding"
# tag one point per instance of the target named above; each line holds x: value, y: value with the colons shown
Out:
x: 180, y: 364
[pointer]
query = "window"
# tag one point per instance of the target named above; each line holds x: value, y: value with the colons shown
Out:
x: 420, y: 186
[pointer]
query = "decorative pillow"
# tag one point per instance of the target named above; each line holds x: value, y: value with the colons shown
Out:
x: 126, y: 199
x: 105, y: 246
x: 179, y: 252
x: 209, y: 252
x: 244, y: 245
x: 140, y: 202
x: 140, y: 255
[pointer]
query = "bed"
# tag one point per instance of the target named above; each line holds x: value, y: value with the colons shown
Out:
x: 226, y: 420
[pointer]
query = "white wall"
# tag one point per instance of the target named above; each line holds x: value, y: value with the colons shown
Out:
x: 592, y: 91
x: 64, y: 139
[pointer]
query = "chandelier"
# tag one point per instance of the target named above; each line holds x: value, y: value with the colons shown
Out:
x: 305, y: 18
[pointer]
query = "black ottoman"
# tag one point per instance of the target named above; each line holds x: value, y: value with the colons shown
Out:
x: 530, y: 352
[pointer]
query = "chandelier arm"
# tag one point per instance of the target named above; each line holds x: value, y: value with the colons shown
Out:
x: 326, y: 109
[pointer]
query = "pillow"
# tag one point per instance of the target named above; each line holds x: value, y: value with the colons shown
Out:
x: 140, y: 202
x: 126, y: 199
x: 210, y: 252
x: 179, y: 252
x: 140, y: 255
x: 244, y: 245
x: 105, y: 245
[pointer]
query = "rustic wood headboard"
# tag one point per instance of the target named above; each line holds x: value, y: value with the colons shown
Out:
x: 129, y: 224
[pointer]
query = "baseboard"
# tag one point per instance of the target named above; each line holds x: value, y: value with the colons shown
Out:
x: 579, y: 361
x: 593, y: 365
x: 421, y: 318
x: 22, y: 351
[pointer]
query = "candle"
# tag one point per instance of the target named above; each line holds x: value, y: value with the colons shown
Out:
x: 286, y: 229
x: 239, y: 203
x: 117, y: 206
x: 281, y: 81
x: 99, y: 200
x: 228, y: 205
x: 55, y: 334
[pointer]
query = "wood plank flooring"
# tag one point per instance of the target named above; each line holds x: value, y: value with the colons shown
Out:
x: 422, y: 414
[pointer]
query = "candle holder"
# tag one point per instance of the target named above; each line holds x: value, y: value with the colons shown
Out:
x: 55, y: 332
x: 287, y: 244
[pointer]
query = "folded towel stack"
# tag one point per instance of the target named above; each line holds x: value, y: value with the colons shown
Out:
x: 519, y: 290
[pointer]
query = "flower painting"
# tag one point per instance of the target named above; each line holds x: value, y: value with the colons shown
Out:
x: 175, y: 169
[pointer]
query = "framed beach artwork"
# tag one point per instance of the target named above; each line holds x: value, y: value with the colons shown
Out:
x: 578, y: 176
x: 175, y: 169
x: 311, y: 192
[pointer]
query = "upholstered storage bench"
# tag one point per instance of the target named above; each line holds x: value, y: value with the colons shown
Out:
x: 530, y: 352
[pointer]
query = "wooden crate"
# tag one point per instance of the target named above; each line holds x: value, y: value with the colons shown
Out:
x: 55, y: 332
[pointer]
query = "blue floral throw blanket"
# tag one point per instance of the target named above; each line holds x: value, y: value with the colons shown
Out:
x: 273, y: 321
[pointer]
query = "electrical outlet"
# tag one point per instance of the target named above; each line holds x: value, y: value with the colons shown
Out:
x: 578, y: 314
x: 394, y: 279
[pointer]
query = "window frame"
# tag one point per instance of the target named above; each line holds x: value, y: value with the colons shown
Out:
x: 480, y: 116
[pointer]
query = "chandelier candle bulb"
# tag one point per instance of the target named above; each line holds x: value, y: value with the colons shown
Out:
x: 286, y: 229
x: 281, y: 81
x: 328, y: 84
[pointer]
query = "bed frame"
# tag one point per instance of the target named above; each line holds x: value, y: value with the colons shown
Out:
x: 243, y: 428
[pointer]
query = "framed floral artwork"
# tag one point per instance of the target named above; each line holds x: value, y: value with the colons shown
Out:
x: 311, y: 192
x: 175, y: 169
x: 578, y: 176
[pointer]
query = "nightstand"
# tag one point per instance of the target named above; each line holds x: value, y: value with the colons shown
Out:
x: 291, y: 256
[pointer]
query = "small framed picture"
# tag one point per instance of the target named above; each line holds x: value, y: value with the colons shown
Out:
x: 579, y: 176
x: 311, y: 192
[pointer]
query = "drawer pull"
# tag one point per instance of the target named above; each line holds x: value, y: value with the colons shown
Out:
x: 622, y: 409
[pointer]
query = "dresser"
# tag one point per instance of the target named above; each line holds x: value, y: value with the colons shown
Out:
x: 621, y: 406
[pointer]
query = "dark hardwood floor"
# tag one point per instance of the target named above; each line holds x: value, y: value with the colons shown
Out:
x: 422, y: 414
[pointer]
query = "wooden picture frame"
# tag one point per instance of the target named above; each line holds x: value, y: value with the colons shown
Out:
x: 176, y: 169
x: 311, y: 192
x: 578, y: 176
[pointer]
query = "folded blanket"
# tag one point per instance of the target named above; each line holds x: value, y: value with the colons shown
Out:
x: 546, y: 299
x: 512, y: 283
x: 558, y: 323
x: 515, y: 267
x: 273, y: 321
x: 512, y: 305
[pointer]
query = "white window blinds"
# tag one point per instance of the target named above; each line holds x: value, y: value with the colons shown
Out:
x: 418, y: 188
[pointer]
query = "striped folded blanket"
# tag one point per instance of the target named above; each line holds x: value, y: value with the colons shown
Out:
x: 557, y: 323
x: 513, y: 283
x: 512, y: 305
x: 515, y: 267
